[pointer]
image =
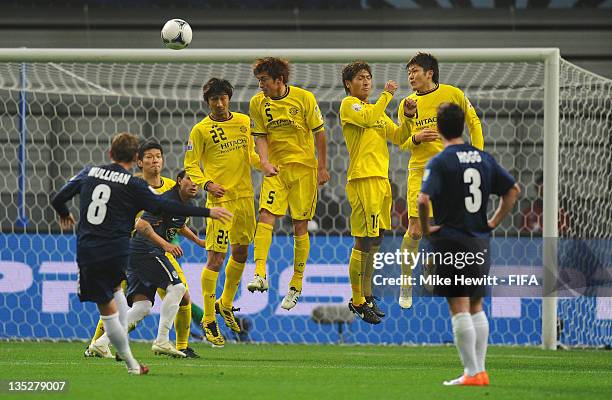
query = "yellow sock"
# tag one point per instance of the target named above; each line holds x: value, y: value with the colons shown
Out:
x: 368, y: 271
x: 209, y: 284
x: 301, y: 249
x: 99, y: 331
x: 412, y: 247
x: 355, y: 266
x: 182, y: 324
x: 233, y: 273
x: 262, y: 242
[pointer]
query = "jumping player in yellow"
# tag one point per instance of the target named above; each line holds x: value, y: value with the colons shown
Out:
x: 219, y: 157
x: 425, y: 142
x: 366, y: 129
x: 287, y: 124
x: 151, y: 161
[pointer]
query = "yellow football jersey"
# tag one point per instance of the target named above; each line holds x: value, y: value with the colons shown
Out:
x: 289, y: 122
x: 223, y: 152
x: 426, y: 117
x: 366, y: 129
x: 166, y: 185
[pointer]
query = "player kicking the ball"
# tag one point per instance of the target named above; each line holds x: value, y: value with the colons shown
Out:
x: 151, y: 162
x: 150, y: 268
x: 458, y: 182
x: 110, y: 198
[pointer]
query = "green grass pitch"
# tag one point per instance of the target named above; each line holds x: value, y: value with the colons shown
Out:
x: 311, y: 372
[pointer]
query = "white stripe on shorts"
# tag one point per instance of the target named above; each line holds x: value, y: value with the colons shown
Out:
x: 164, y: 267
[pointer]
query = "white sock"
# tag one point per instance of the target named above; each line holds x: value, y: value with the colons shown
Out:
x: 118, y: 337
x: 122, y: 306
x: 135, y: 314
x: 465, y: 340
x: 169, y: 308
x: 481, y: 327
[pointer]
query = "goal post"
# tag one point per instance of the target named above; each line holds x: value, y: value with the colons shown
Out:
x: 91, y: 83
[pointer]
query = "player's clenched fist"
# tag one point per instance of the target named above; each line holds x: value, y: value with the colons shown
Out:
x: 410, y: 107
x: 221, y: 214
x: 391, y: 86
x: 268, y: 169
x: 322, y: 176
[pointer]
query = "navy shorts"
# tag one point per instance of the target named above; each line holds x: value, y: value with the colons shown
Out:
x: 148, y: 272
x: 97, y: 281
x: 461, y: 263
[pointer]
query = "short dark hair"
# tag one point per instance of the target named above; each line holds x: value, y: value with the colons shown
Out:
x: 149, y: 145
x: 351, y: 70
x: 450, y: 120
x: 181, y: 175
x: 124, y: 147
x: 217, y: 87
x: 428, y: 62
x: 275, y: 67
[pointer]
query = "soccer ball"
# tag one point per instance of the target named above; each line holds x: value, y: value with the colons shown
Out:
x: 176, y: 34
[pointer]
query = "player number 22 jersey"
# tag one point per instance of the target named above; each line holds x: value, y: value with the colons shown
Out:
x: 222, y: 152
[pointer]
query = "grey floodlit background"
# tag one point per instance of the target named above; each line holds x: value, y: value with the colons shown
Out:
x: 73, y: 109
x: 582, y: 29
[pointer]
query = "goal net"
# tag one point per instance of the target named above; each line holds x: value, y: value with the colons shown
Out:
x: 57, y: 116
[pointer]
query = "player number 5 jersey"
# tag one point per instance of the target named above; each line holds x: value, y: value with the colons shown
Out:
x: 289, y: 123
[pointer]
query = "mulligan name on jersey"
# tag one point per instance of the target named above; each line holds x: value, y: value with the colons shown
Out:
x: 111, y: 176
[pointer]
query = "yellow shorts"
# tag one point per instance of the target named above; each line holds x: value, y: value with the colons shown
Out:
x: 240, y: 230
x: 415, y: 179
x: 370, y: 200
x: 295, y: 187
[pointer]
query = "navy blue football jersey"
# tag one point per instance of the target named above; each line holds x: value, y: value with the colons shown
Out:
x: 110, y: 198
x: 459, y: 181
x: 165, y: 225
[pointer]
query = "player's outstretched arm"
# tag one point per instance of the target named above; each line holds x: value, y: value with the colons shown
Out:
x: 145, y: 200
x: 144, y: 228
x: 189, y: 234
x: 506, y: 203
